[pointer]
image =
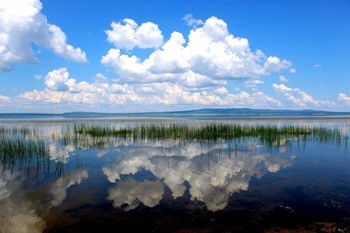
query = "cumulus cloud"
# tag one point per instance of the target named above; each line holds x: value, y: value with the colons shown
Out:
x: 4, y: 98
x: 128, y: 35
x: 282, y: 79
x: 299, y: 98
x: 191, y: 21
x: 211, y: 52
x: 38, y: 76
x: 57, y: 42
x: 253, y: 83
x: 344, y: 98
x: 189, y: 72
x: 61, y: 88
x: 23, y: 24
x: 255, y: 100
x: 57, y: 80
x: 293, y: 71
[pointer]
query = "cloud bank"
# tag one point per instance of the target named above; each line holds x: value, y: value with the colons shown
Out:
x: 201, y: 69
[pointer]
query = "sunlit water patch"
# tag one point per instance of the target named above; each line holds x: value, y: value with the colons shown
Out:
x: 174, y: 176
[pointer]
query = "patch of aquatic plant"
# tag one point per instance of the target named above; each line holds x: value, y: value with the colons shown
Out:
x: 270, y: 135
x: 29, y: 152
x: 10, y: 147
x: 85, y: 141
x: 27, y: 155
x: 19, y: 131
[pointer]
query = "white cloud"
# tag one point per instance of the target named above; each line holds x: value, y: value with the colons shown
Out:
x: 211, y: 52
x: 220, y: 91
x: 317, y: 66
x: 191, y: 21
x: 128, y: 35
x: 61, y: 88
x: 344, y: 98
x: 255, y: 100
x: 57, y: 80
x: 4, y: 98
x: 299, y: 98
x: 282, y: 79
x: 23, y: 24
x: 253, y: 82
x: 57, y: 42
x: 293, y: 71
x: 38, y: 76
x: 275, y: 64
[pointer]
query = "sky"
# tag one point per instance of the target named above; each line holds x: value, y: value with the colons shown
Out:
x: 151, y: 55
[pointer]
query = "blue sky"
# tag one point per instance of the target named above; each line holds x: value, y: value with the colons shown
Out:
x: 131, y: 56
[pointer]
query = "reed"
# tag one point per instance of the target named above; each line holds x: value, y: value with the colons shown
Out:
x: 22, y: 147
x: 270, y: 135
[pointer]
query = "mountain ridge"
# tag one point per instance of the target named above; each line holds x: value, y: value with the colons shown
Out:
x: 226, y: 111
x: 205, y: 112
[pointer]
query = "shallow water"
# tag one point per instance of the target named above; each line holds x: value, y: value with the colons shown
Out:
x: 87, y: 184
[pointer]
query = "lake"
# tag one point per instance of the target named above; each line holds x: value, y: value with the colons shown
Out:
x: 174, y: 175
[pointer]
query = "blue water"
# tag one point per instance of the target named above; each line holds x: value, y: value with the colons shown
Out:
x: 113, y: 184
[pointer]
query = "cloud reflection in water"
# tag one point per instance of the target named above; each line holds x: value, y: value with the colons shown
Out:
x: 131, y: 192
x: 19, y: 213
x: 213, y: 170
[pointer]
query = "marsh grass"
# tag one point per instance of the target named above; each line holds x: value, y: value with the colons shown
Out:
x: 30, y: 156
x: 26, y: 150
x: 269, y: 135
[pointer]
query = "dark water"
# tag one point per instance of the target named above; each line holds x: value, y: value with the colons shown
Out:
x: 118, y: 185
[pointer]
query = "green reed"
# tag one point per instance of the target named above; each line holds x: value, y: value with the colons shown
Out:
x: 22, y: 147
x: 14, y: 149
x: 270, y: 135
x: 30, y: 156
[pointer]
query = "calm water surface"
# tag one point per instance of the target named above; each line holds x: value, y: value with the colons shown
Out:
x: 109, y: 184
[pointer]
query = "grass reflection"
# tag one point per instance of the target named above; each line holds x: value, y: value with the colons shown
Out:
x: 28, y: 152
x: 34, y: 151
x: 268, y: 135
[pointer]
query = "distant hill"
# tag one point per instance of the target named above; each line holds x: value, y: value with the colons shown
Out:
x: 201, y: 113
x: 213, y: 112
x: 259, y: 112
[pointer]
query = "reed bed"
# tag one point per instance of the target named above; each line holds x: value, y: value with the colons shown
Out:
x: 18, y: 131
x: 22, y: 152
x: 22, y: 147
x: 27, y: 146
x: 31, y: 158
x: 270, y: 135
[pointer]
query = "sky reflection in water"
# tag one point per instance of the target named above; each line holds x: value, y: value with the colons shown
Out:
x: 138, y: 172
